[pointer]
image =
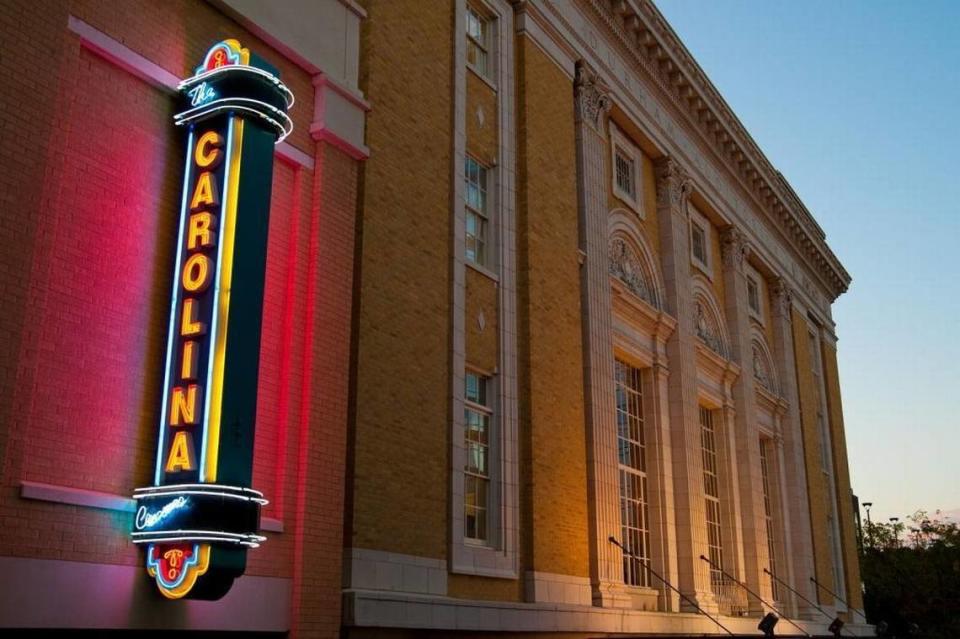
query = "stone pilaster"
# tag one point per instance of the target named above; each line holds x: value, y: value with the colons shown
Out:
x: 746, y: 438
x: 663, y: 524
x: 592, y: 103
x: 798, y: 537
x: 693, y: 579
x: 786, y: 568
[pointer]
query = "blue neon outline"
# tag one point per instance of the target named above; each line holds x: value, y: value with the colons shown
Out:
x: 173, y: 311
x: 216, y: 301
x: 193, y: 561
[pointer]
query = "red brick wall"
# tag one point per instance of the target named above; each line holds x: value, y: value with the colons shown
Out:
x: 89, y: 194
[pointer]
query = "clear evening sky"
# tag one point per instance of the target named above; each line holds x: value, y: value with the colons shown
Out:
x: 858, y: 104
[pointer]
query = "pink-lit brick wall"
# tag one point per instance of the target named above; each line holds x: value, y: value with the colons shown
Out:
x: 89, y: 195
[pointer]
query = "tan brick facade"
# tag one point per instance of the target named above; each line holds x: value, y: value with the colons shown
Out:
x: 551, y: 388
x: 425, y: 315
x: 848, y: 530
x: 402, y: 325
x: 816, y: 488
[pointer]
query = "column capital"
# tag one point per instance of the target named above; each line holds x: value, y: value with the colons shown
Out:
x: 734, y: 247
x: 591, y: 95
x: 778, y: 438
x: 782, y: 298
x: 673, y: 183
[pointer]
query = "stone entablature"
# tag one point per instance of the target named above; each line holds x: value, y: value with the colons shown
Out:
x: 654, y: 46
x: 761, y: 205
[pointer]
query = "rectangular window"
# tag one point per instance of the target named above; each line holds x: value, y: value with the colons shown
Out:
x: 753, y: 295
x: 634, y: 518
x: 626, y: 162
x: 768, y: 511
x: 475, y: 194
x: 625, y: 172
x: 477, y: 415
x: 698, y: 242
x: 834, y: 554
x: 478, y: 42
x: 711, y: 491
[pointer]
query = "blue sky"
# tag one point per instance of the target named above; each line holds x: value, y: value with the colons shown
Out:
x: 856, y: 102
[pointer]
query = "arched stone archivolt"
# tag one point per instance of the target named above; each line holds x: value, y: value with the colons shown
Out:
x: 761, y: 364
x: 632, y: 261
x: 709, y: 323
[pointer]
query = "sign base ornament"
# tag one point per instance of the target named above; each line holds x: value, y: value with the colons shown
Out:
x: 200, y: 516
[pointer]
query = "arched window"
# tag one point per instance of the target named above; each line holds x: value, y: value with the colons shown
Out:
x: 708, y: 320
x: 628, y: 267
x: 761, y: 364
x: 631, y: 260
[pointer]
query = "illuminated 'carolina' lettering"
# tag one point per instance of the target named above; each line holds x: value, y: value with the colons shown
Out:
x: 181, y: 457
x: 188, y: 367
x: 189, y: 324
x: 206, y: 192
x: 208, y: 153
x: 200, y: 515
x: 200, y: 233
x: 184, y: 405
x: 197, y: 272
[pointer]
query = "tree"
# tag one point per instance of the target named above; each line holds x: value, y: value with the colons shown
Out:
x: 911, y: 576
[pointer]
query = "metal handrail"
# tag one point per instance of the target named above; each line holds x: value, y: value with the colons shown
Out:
x: 791, y: 589
x: 613, y: 540
x: 849, y: 607
x: 745, y: 587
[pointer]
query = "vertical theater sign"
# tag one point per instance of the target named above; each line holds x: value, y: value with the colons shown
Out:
x: 200, y: 515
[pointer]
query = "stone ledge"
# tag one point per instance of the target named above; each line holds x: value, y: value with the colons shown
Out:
x: 404, y: 610
x: 106, y: 501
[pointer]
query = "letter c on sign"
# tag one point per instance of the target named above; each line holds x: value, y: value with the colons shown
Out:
x: 207, y: 154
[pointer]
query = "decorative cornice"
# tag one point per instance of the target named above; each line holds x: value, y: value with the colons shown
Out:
x: 673, y: 183
x: 645, y: 34
x: 734, y: 247
x: 592, y: 96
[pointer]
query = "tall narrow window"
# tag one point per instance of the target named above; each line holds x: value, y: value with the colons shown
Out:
x: 478, y: 42
x: 834, y: 553
x: 821, y: 417
x: 625, y: 172
x: 626, y: 161
x: 768, y: 515
x: 711, y: 491
x: 753, y: 295
x: 475, y: 190
x: 634, y: 525
x: 476, y: 500
x: 826, y: 464
x: 698, y: 239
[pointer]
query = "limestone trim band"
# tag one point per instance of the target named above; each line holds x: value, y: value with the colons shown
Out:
x: 39, y: 491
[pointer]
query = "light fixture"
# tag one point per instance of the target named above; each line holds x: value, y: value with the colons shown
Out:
x: 836, y: 627
x: 767, y: 624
